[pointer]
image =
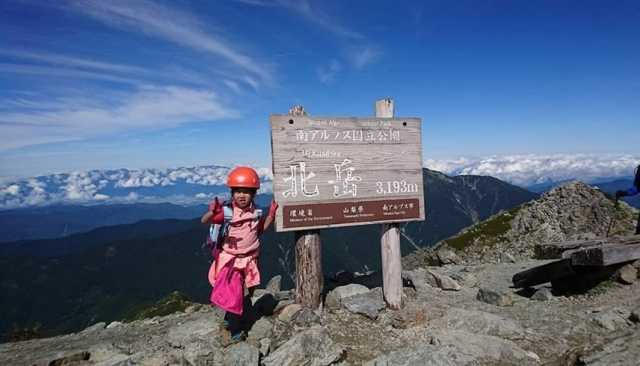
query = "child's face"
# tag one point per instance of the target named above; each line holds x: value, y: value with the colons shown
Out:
x: 243, y: 197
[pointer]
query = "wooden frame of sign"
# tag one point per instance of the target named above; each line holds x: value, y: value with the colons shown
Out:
x: 345, y: 171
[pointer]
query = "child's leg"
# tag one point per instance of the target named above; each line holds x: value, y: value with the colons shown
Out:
x: 233, y: 322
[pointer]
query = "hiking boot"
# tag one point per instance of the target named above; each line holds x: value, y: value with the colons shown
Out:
x: 238, y: 337
x: 228, y: 339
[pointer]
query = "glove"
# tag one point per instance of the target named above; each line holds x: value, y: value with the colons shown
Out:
x: 620, y: 194
x: 216, y: 209
x: 273, y: 209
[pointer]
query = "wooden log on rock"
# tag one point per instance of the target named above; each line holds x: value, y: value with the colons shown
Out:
x: 557, y: 250
x: 554, y: 250
x: 543, y: 274
x: 606, y: 255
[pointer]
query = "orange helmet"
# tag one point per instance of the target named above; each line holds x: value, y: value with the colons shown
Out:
x: 243, y: 177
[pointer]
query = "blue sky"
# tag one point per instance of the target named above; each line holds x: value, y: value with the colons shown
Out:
x: 134, y: 84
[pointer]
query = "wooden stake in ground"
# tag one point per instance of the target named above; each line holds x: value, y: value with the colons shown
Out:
x: 309, y: 278
x: 390, y: 239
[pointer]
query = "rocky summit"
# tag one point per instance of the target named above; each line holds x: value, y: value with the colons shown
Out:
x: 462, y: 311
x: 569, y: 212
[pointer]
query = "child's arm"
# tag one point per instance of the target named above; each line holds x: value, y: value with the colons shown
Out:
x: 270, y: 217
x: 206, y: 217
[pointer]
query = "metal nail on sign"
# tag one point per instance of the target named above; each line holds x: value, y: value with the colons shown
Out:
x: 330, y: 172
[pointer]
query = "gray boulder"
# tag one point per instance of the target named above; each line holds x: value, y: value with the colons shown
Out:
x: 542, y: 294
x: 368, y: 304
x: 444, y: 282
x: 273, y: 285
x: 478, y: 322
x: 627, y: 275
x: 263, y: 328
x: 334, y: 298
x: 456, y: 348
x: 311, y: 347
x: 494, y: 297
x: 421, y: 280
x: 241, y: 354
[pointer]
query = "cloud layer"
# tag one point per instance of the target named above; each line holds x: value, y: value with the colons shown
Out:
x: 527, y: 170
x: 199, y: 184
x: 181, y: 185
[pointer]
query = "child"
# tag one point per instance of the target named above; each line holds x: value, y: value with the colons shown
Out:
x: 241, y: 244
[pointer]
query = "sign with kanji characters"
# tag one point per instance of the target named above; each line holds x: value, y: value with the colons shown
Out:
x: 330, y: 172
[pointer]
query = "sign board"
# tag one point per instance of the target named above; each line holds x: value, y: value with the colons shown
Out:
x: 331, y: 172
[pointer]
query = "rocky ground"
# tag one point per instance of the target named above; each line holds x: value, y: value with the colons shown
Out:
x: 477, y: 319
x: 461, y: 312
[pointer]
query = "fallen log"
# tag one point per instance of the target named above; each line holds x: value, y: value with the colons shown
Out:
x: 557, y: 250
x: 543, y: 274
x: 606, y: 255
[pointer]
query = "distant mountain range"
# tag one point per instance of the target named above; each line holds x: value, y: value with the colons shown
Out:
x: 109, y: 272
x: 183, y: 186
x: 194, y: 185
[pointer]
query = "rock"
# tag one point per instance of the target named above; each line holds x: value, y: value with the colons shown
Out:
x: 286, y: 315
x: 241, y: 354
x: 335, y: 297
x: 114, y: 325
x: 467, y: 279
x: 635, y: 315
x: 420, y: 279
x: 273, y: 286
x: 618, y: 348
x: 310, y: 347
x: 627, y: 275
x: 445, y: 282
x: 258, y: 293
x: 283, y: 295
x: 281, y: 305
x: 263, y: 328
x: 369, y: 304
x: 542, y: 294
x: 305, y: 318
x: 493, y: 297
x: 453, y: 348
x: 505, y: 257
x: 71, y: 359
x: 94, y: 328
x: 446, y: 255
x: 478, y: 322
x: 265, y: 346
x: 612, y: 319
x: 408, y: 317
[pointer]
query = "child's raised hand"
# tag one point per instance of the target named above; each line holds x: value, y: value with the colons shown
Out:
x: 215, y: 207
x: 273, y: 209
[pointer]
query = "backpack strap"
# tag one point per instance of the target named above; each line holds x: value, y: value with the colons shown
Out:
x: 219, y: 231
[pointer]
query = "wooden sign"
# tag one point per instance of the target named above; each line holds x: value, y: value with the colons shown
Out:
x: 330, y: 172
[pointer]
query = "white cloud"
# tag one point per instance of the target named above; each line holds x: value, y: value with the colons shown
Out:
x: 146, y: 108
x: 328, y: 74
x: 12, y: 190
x: 527, y: 170
x: 363, y: 55
x: 77, y: 62
x: 233, y: 86
x: 170, y: 25
x: 315, y: 15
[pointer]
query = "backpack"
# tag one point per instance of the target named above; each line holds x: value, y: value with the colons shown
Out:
x: 217, y: 232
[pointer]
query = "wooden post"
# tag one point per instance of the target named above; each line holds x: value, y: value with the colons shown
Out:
x: 309, y: 278
x: 390, y: 239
